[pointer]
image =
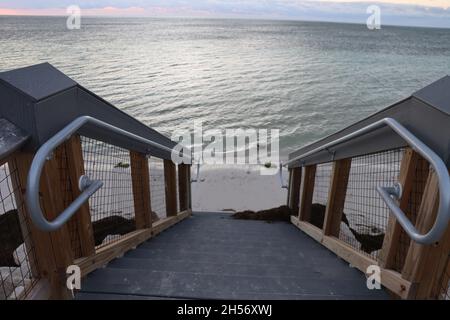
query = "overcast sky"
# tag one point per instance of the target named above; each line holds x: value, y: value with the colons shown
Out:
x: 434, y: 13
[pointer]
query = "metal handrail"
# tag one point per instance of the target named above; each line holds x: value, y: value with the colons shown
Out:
x: 387, y: 193
x: 87, y: 186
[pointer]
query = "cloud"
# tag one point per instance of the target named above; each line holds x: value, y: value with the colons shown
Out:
x: 415, y: 12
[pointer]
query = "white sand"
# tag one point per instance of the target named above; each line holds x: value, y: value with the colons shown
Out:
x: 237, y: 187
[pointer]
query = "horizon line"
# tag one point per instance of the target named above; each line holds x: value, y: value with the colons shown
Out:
x: 280, y: 19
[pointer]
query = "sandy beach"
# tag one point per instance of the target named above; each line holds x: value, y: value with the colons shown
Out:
x: 236, y: 187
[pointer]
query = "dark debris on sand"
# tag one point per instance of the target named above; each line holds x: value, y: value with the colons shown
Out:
x: 282, y: 213
x: 368, y: 242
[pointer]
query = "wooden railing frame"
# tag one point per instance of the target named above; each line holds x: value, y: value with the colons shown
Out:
x: 170, y: 178
x: 424, y: 269
x: 295, y: 177
x: 336, y: 197
x: 307, y: 190
x: 82, y: 218
x: 54, y: 250
x: 184, y: 187
x: 140, y: 178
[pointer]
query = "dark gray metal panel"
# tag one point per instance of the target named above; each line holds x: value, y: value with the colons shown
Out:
x: 91, y: 104
x: 12, y: 138
x: 436, y: 94
x: 429, y: 124
x: 18, y: 109
x: 41, y: 100
x: 38, y: 81
x: 77, y: 101
x: 213, y: 256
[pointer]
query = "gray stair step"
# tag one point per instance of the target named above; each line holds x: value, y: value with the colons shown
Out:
x: 213, y: 286
x: 276, y: 258
x: 323, y: 271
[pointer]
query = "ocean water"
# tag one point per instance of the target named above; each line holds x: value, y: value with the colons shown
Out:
x: 307, y: 79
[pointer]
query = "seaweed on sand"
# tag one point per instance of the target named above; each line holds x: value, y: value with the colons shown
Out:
x: 114, y: 225
x: 10, y: 238
x: 282, y: 213
x: 368, y: 242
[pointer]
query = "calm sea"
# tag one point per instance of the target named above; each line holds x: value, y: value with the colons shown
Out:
x: 306, y: 79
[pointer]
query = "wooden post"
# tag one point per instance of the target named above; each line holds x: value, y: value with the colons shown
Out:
x: 189, y: 168
x: 295, y: 177
x: 408, y: 178
x: 183, y: 186
x: 53, y: 249
x: 170, y: 179
x: 82, y: 219
x: 141, y: 190
x: 307, y: 193
x: 425, y: 264
x: 336, y: 197
x: 440, y: 286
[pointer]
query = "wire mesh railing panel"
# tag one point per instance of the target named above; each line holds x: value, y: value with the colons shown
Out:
x: 320, y: 193
x: 322, y: 183
x: 112, y: 206
x: 415, y: 198
x: 18, y: 273
x: 365, y: 214
x: 157, y: 187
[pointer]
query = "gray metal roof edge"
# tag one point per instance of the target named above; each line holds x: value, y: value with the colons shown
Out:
x: 169, y: 141
x: 419, y: 94
x: 306, y: 148
x: 430, y: 105
x: 22, y: 92
x: 10, y: 86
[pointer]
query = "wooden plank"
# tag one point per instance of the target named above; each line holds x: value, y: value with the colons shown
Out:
x: 113, y: 250
x: 308, y: 228
x: 189, y: 187
x: 307, y: 193
x: 439, y: 273
x: 336, y: 197
x: 427, y: 214
x: 82, y: 218
x: 40, y: 291
x: 170, y: 179
x: 441, y: 286
x: 24, y: 220
x: 21, y: 165
x: 53, y: 250
x: 162, y: 224
x: 140, y: 177
x: 126, y: 243
x: 408, y: 177
x: 295, y: 177
x: 183, y: 186
x: 425, y: 263
x: 431, y: 264
x: 390, y: 279
x: 52, y: 202
x: 41, y: 241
